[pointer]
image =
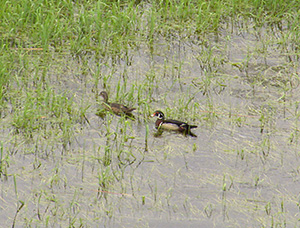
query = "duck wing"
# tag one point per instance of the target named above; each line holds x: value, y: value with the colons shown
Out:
x: 119, y: 108
x: 180, y: 124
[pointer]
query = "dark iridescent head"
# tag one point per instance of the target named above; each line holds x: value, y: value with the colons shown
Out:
x: 104, y: 95
x: 159, y: 114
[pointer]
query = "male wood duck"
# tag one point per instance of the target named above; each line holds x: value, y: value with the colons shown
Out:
x: 173, y: 125
x: 118, y: 109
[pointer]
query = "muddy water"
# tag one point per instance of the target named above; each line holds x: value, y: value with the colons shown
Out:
x: 241, y: 171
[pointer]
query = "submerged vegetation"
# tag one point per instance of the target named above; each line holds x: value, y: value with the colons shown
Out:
x: 231, y: 67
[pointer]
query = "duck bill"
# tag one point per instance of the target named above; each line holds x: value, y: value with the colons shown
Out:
x: 154, y: 114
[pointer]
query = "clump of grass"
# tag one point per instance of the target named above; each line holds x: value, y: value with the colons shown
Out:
x: 110, y: 28
x: 4, y: 162
x: 40, y: 107
x: 105, y: 180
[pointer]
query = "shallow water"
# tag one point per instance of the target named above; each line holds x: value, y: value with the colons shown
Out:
x: 241, y: 171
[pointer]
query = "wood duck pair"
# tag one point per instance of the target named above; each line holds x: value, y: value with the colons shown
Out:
x: 116, y: 108
x: 173, y: 125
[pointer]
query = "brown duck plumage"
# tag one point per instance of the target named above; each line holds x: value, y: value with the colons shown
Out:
x: 118, y: 109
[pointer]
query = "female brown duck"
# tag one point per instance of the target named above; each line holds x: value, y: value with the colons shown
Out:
x: 118, y: 109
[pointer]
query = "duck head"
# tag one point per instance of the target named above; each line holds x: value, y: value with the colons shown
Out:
x: 159, y: 114
x: 104, y: 95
